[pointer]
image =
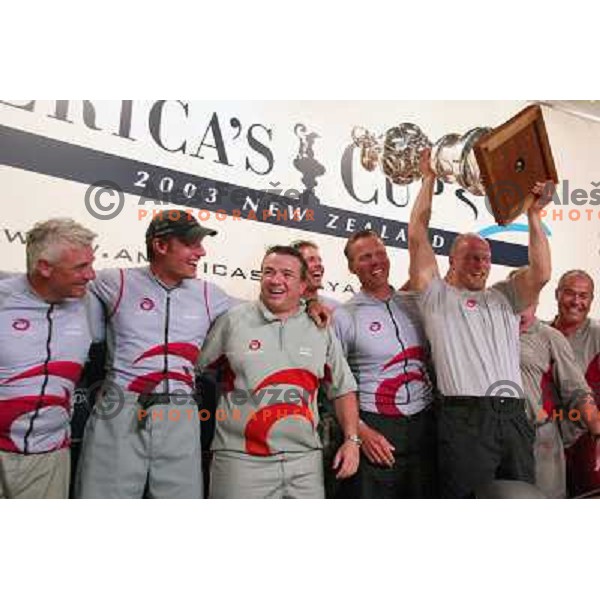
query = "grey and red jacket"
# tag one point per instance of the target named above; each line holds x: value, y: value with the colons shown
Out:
x: 43, y: 347
x: 154, y: 332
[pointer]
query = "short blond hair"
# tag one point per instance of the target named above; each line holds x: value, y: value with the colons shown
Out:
x: 359, y: 235
x: 47, y: 239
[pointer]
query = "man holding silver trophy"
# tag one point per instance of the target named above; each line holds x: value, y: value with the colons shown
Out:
x: 483, y: 431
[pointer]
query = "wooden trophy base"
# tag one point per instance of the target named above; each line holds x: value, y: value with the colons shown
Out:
x: 511, y: 159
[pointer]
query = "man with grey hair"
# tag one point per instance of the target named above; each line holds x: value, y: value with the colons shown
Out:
x: 558, y: 398
x: 574, y: 296
x: 45, y: 335
x: 483, y: 433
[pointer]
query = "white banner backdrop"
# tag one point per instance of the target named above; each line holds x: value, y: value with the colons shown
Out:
x: 265, y: 173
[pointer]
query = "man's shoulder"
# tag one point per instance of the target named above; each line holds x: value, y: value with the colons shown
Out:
x: 595, y: 328
x: 548, y: 332
x: 504, y: 287
x: 357, y: 303
x: 112, y: 274
x: 436, y: 285
x: 407, y: 298
x: 436, y: 293
x: 506, y: 293
x: 554, y: 340
x: 8, y: 274
x: 587, y: 334
x: 197, y: 285
x: 361, y: 299
x: 329, y: 302
x: 235, y: 320
x: 342, y: 316
x: 205, y: 287
x: 12, y: 281
x: 12, y: 285
x: 355, y: 300
x: 241, y: 312
x: 211, y: 287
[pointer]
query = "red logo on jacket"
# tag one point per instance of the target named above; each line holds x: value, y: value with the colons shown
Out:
x: 21, y: 324
x: 147, y: 304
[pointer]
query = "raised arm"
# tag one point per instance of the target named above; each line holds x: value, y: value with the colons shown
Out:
x: 423, y: 264
x: 532, y: 279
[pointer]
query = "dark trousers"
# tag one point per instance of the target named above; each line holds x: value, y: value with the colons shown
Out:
x: 481, y: 439
x: 413, y: 474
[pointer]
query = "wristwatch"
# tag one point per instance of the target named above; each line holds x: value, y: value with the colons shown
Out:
x: 355, y: 439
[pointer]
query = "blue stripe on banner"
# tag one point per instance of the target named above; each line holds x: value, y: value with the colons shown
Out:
x: 40, y: 154
x: 494, y: 229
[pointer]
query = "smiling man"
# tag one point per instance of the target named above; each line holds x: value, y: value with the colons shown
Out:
x: 157, y: 317
x: 272, y: 358
x: 45, y: 335
x: 555, y: 388
x: 382, y: 336
x: 483, y: 433
x: 315, y: 272
x: 574, y: 295
x: 329, y: 429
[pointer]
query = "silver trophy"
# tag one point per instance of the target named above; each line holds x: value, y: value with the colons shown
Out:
x: 398, y: 153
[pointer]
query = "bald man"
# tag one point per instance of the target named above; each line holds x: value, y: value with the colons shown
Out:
x: 483, y: 430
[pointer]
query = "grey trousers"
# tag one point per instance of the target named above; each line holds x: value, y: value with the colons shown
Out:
x: 122, y: 456
x: 549, y: 454
x: 283, y: 475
